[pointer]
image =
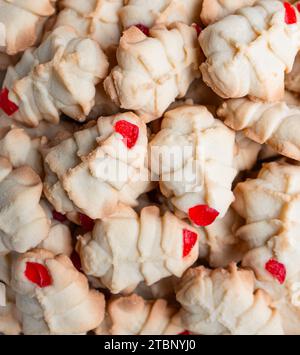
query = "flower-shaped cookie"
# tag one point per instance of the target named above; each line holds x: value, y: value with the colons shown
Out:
x: 224, y: 302
x: 249, y: 52
x: 98, y: 167
x: 57, y: 77
x: 193, y: 155
x: 126, y: 248
x: 53, y: 297
x: 154, y: 70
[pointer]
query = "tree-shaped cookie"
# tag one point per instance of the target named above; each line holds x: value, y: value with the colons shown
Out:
x: 98, y: 167
x: 270, y: 204
x: 127, y: 248
x: 53, y: 297
x: 153, y: 70
x: 224, y: 302
x: 57, y: 77
x: 193, y: 157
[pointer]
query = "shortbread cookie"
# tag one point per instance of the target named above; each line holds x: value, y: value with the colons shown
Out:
x: 133, y: 315
x: 270, y: 205
x: 96, y: 19
x: 21, y: 23
x: 53, y: 297
x: 214, y: 10
x: 193, y: 155
x: 23, y: 222
x: 153, y: 70
x: 275, y: 124
x: 224, y: 302
x: 162, y: 12
x: 58, y: 77
x: 126, y: 248
x: 99, y: 167
x: 249, y: 52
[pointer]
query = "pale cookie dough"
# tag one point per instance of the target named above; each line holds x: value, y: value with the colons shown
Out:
x: 153, y: 71
x: 57, y: 299
x: 126, y: 248
x: 193, y: 155
x: 157, y: 12
x: 224, y: 302
x: 57, y: 77
x: 133, y: 315
x: 270, y: 206
x: 276, y: 124
x: 22, y: 22
x: 249, y: 52
x: 94, y: 170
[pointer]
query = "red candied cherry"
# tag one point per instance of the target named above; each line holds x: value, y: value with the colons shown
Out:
x: 290, y: 14
x: 129, y: 131
x: 298, y: 7
x: 58, y: 216
x: 186, y: 332
x: 277, y: 270
x: 144, y: 29
x: 86, y: 222
x: 38, y: 274
x: 203, y: 215
x: 6, y: 105
x: 197, y: 28
x: 189, y: 240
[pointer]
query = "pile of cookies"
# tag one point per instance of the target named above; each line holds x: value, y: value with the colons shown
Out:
x: 149, y: 167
